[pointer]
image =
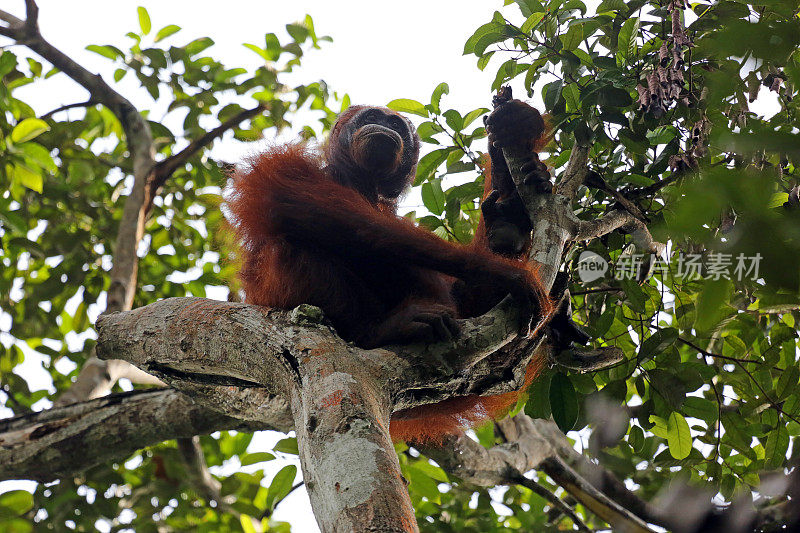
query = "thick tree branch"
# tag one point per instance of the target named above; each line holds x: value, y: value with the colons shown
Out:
x: 194, y: 341
x: 531, y: 444
x: 64, y: 441
x: 591, y: 229
x: 613, y: 220
x: 341, y: 396
x: 612, y: 512
x: 602, y: 478
x: 576, y: 171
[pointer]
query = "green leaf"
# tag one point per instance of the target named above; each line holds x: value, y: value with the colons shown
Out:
x: 727, y: 486
x: 712, y: 302
x: 433, y: 471
x: 104, y: 50
x: 636, y: 438
x: 482, y: 32
x: 538, y: 404
x: 668, y: 386
x: 659, y: 428
x: 406, y: 105
x: 701, y: 408
x: 15, y: 503
x: 454, y: 120
x: 679, y: 438
x: 636, y: 296
x: 28, y: 178
x: 429, y: 163
x: 787, y: 383
x: 246, y: 521
x: 484, y: 60
x: 28, y: 129
x: 573, y: 37
x: 287, y: 445
x: 626, y: 41
x: 281, y: 485
x: 37, y: 155
x: 297, y: 32
x: 436, y: 97
x: 551, y: 93
x: 257, y: 457
x: 472, y: 115
x: 657, y: 343
x: 144, y: 20
x: 263, y: 53
x: 776, y: 447
x: 166, y: 31
x: 563, y: 402
x: 531, y: 22
x: 423, y: 484
x: 433, y: 197
x: 198, y: 45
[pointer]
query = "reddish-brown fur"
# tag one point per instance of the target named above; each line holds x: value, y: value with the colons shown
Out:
x: 313, y: 231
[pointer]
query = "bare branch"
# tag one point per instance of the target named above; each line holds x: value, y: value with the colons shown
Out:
x: 602, y: 478
x: 98, y: 378
x: 165, y: 168
x: 197, y: 469
x: 613, y: 220
x: 617, y: 516
x: 589, y: 360
x: 87, y: 103
x: 5, y: 16
x: 64, y: 441
x: 576, y: 171
x: 470, y: 461
x: 31, y: 16
x: 551, y: 498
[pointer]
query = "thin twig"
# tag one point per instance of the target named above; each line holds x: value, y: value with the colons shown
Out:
x: 164, y: 169
x: 551, y: 498
x: 87, y: 103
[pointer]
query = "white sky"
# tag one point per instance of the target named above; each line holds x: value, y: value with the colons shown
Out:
x: 381, y: 51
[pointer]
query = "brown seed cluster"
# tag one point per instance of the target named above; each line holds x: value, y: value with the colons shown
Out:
x: 665, y: 83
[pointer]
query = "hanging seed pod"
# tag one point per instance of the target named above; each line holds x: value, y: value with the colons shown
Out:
x: 677, y: 57
x: 776, y: 84
x: 663, y: 54
x: 753, y: 86
x: 644, y: 97
x: 663, y: 78
x: 679, y: 37
x: 741, y: 99
x: 676, y: 78
x: 653, y: 83
x: 741, y: 120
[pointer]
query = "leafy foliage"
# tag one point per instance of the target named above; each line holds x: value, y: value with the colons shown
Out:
x: 64, y: 182
x: 707, y: 394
